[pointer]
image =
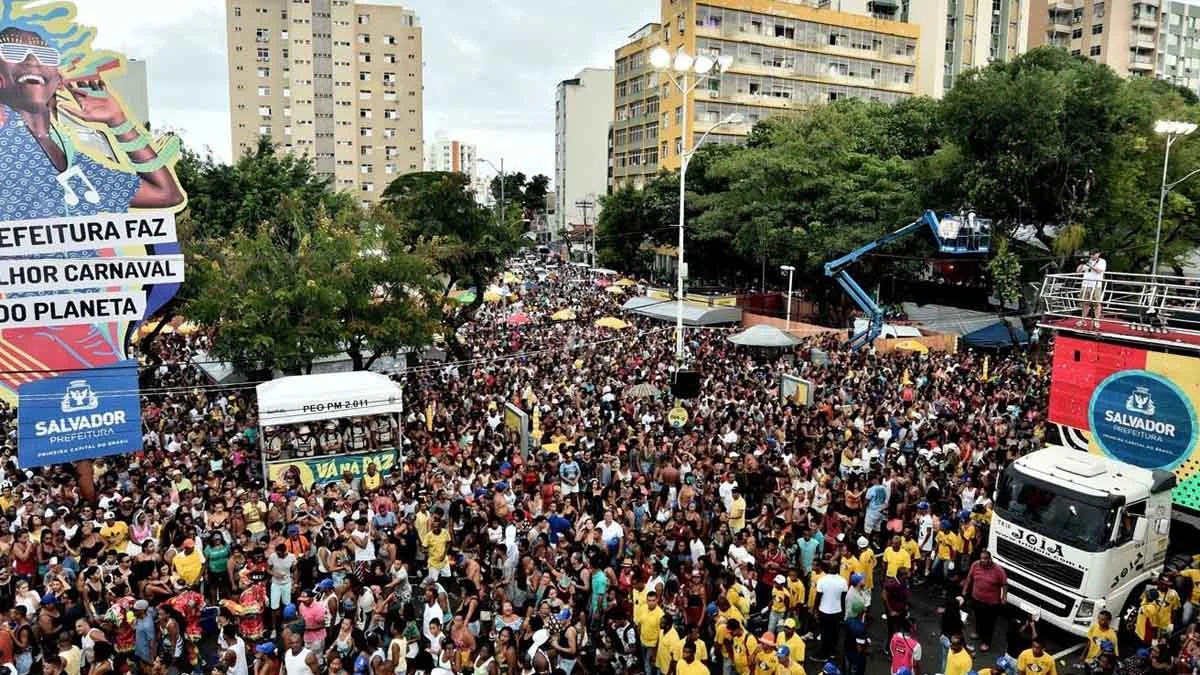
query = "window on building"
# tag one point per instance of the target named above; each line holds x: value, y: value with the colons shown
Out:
x: 237, y: 11
x: 264, y: 90
x: 364, y: 58
x: 364, y: 19
x: 389, y: 58
x: 262, y: 35
x: 1097, y: 29
x: 264, y: 130
x: 364, y: 76
x: 1094, y: 51
x: 391, y: 39
x: 264, y: 110
x: 1077, y: 33
x: 364, y: 39
x: 264, y: 54
x: 263, y: 71
x: 1098, y: 10
x: 365, y: 132
x: 368, y: 187
x: 364, y: 113
x: 1075, y: 52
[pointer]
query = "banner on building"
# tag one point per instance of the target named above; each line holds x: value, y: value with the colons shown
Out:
x: 321, y: 470
x: 88, y: 242
x: 79, y: 415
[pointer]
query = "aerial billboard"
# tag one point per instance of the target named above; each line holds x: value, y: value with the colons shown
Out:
x: 88, y: 246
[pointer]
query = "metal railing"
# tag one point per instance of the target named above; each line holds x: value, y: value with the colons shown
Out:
x: 1157, y: 306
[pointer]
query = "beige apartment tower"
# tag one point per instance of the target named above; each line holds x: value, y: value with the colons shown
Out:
x: 1123, y: 34
x: 336, y: 80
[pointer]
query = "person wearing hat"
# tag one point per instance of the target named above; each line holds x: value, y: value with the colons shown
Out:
x: 145, y: 633
x: 786, y: 665
x: 857, y: 643
x: 188, y: 563
x: 272, y: 443
x: 305, y: 443
x: 358, y: 435
x: 781, y: 598
x: 383, y: 431
x: 857, y: 592
x: 114, y: 532
x: 536, y: 657
x: 949, y: 548
x: 866, y: 563
x: 330, y: 440
x: 788, y: 637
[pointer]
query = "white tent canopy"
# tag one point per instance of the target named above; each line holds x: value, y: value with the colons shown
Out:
x: 764, y: 335
x: 305, y: 398
x: 694, y: 313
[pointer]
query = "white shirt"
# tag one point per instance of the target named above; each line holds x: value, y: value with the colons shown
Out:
x: 925, y: 532
x: 725, y: 490
x: 831, y: 587
x: 296, y: 664
x: 1093, y: 272
x: 238, y: 646
x: 611, y: 531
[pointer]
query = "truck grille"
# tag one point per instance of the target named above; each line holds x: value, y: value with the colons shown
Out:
x: 1039, y: 564
x: 1060, y: 604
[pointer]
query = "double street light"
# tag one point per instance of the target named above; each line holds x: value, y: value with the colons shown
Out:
x: 790, y: 271
x: 686, y: 72
x: 1173, y: 130
x: 500, y: 171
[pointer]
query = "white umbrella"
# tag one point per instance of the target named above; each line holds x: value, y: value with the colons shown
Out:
x: 763, y: 335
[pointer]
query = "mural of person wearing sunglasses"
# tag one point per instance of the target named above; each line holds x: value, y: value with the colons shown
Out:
x: 68, y: 147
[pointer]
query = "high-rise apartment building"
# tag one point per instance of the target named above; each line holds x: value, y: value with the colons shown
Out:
x: 445, y: 154
x: 582, y: 113
x: 336, y: 80
x: 1179, y: 43
x: 787, y: 56
x: 959, y: 35
x: 1120, y: 33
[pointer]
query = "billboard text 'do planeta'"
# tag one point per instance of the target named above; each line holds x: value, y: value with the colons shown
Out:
x: 88, y: 247
x: 1132, y: 404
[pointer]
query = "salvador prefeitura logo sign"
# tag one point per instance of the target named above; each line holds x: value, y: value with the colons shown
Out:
x: 1143, y: 418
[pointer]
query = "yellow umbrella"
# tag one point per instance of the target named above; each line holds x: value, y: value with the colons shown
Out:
x: 491, y: 296
x: 611, y: 322
x: 615, y: 289
x: 187, y: 328
x: 626, y: 283
x: 510, y: 278
x: 912, y: 346
x: 564, y: 315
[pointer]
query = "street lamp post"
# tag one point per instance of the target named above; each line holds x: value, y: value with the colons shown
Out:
x: 703, y: 67
x: 500, y: 171
x: 1173, y: 131
x: 790, y: 271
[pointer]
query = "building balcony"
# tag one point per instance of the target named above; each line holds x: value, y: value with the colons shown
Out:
x: 1059, y: 25
x: 1141, y: 64
x: 1143, y: 40
x: 1062, y: 6
x: 1145, y: 21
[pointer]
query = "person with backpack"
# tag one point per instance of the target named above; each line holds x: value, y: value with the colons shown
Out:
x: 905, y: 649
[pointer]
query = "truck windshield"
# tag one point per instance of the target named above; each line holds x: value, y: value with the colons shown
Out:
x: 1053, y: 511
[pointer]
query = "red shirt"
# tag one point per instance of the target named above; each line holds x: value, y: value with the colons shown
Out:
x: 986, y: 583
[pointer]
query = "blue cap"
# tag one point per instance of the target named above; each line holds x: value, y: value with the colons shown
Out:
x: 964, y: 514
x: 946, y: 524
x: 293, y: 530
x: 1006, y: 663
x: 1143, y: 652
x: 265, y: 648
x: 783, y: 652
x: 711, y: 609
x: 564, y: 615
x: 856, y: 579
x: 49, y: 599
x: 479, y: 492
x: 832, y: 669
x: 289, y: 611
x: 972, y: 672
x: 325, y: 585
x: 904, y: 670
x: 1152, y: 594
x: 922, y: 505
x: 502, y: 486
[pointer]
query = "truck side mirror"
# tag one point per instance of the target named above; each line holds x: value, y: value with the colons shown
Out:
x: 1139, y: 530
x: 1163, y: 526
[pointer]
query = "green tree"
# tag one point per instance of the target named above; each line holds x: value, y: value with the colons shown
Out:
x: 436, y: 212
x: 534, y: 197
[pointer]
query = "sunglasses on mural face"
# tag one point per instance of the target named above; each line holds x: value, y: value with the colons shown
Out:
x: 13, y: 52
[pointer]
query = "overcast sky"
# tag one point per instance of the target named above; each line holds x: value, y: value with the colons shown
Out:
x: 491, y: 66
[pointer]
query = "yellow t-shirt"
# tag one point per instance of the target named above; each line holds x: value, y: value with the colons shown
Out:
x: 188, y: 567
x: 913, y: 548
x: 370, y: 482
x: 796, y: 588
x: 722, y: 621
x: 793, y: 667
x: 795, y: 644
x: 949, y: 545
x: 737, y: 514
x: 649, y: 622
x: 670, y: 648
x: 421, y: 523
x: 694, y: 668
x: 1095, y: 636
x: 1028, y: 664
x: 115, y: 535
x: 436, y: 544
x: 738, y: 600
x: 866, y: 561
x: 779, y: 599
x: 701, y: 651
x: 896, y: 561
x: 765, y: 662
x: 1194, y: 575
x: 958, y: 664
x: 812, y: 588
x: 849, y: 565
x: 742, y: 648
x: 968, y: 537
x: 639, y: 599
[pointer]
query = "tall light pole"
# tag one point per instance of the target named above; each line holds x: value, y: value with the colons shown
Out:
x: 501, y: 172
x: 684, y: 66
x: 790, y: 271
x: 1173, y: 131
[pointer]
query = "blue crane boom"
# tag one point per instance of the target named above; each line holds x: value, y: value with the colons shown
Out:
x: 954, y: 235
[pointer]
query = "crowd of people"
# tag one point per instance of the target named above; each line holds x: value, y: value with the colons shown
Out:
x: 761, y: 537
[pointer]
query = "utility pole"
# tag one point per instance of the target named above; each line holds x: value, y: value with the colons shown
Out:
x: 584, y: 205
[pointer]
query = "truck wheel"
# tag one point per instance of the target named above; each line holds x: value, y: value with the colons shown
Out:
x: 1127, y: 619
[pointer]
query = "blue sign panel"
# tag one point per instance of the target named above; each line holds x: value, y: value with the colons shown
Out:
x: 1143, y: 419
x: 79, y: 415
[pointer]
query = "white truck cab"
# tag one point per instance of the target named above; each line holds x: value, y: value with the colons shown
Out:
x: 1077, y: 533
